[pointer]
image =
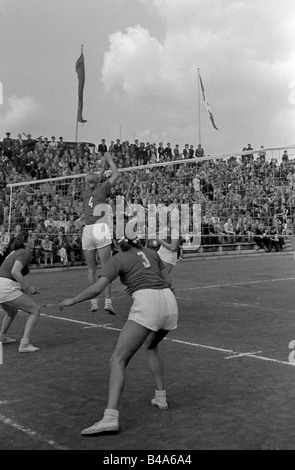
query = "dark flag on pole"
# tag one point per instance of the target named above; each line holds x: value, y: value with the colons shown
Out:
x: 80, y: 69
x: 207, y: 104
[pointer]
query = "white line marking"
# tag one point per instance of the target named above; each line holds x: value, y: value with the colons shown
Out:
x: 197, y: 345
x: 96, y: 326
x: 262, y: 307
x: 238, y: 283
x: 93, y: 325
x: 200, y: 345
x: 31, y: 433
x: 244, y: 354
x: 4, y: 402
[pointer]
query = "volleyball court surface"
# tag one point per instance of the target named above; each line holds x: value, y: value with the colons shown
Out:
x: 229, y: 369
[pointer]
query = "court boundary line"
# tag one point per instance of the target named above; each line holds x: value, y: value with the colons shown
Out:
x: 259, y: 281
x: 29, y: 432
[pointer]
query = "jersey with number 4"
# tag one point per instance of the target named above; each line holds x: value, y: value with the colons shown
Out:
x: 91, y: 199
x: 138, y: 269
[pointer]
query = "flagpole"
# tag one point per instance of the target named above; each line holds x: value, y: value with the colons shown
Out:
x: 199, y: 106
x: 76, y: 137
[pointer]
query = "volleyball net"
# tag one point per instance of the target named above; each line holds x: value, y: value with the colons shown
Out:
x: 196, y: 196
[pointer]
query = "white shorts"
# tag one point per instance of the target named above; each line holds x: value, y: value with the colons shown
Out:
x: 155, y: 309
x: 96, y: 236
x: 168, y: 256
x: 9, y: 290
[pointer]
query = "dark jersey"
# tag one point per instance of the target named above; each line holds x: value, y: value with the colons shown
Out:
x: 138, y: 269
x: 93, y: 199
x: 19, y: 255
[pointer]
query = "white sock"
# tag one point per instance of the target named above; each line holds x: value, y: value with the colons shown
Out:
x: 24, y: 342
x: 111, y: 415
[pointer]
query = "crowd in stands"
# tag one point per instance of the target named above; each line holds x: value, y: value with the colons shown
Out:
x: 243, y: 199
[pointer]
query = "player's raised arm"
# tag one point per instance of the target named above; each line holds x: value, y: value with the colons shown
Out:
x: 103, y: 168
x: 115, y: 172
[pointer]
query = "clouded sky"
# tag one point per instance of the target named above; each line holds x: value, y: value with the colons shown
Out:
x: 141, y: 61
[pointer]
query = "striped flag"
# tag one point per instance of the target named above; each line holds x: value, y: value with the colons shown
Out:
x: 80, y: 69
x: 207, y: 104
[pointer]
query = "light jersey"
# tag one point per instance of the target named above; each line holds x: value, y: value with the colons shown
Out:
x: 19, y: 255
x: 138, y: 269
x: 94, y: 198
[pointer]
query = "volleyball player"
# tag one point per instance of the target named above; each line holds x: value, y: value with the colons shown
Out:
x: 14, y: 290
x: 97, y: 237
x: 169, y: 246
x: 153, y: 314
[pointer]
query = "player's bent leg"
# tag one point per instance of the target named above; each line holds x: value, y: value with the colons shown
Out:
x: 104, y: 255
x: 90, y: 258
x: 26, y: 304
x: 130, y: 340
x: 10, y: 313
x: 156, y: 366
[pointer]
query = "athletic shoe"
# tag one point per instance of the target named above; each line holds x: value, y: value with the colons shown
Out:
x: 94, y: 305
x: 102, y: 426
x: 27, y: 348
x: 109, y: 308
x: 160, y: 403
x: 7, y: 340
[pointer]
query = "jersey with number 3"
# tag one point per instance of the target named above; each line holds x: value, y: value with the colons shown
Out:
x: 91, y: 199
x: 138, y: 269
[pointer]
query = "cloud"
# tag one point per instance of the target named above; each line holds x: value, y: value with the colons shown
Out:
x: 244, y: 50
x: 228, y: 36
x: 17, y: 112
x: 140, y: 65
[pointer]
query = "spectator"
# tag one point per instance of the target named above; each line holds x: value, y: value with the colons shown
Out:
x: 161, y: 151
x: 102, y: 148
x: 285, y: 157
x: 60, y: 247
x: 52, y: 146
x: 168, y: 152
x: 229, y: 231
x: 75, y: 248
x: 260, y: 237
x: 47, y: 251
x: 34, y: 243
x: 185, y: 152
x: 61, y: 146
x: 7, y: 147
x: 208, y: 235
x: 199, y: 151
x: 4, y: 242
x: 191, y: 152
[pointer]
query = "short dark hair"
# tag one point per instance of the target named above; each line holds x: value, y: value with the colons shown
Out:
x: 19, y: 241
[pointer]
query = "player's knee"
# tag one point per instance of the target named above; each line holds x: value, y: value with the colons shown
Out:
x: 118, y: 360
x: 36, y: 310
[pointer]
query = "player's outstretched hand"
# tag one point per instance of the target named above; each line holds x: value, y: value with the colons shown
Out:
x: 32, y: 290
x: 108, y: 156
x: 66, y: 303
